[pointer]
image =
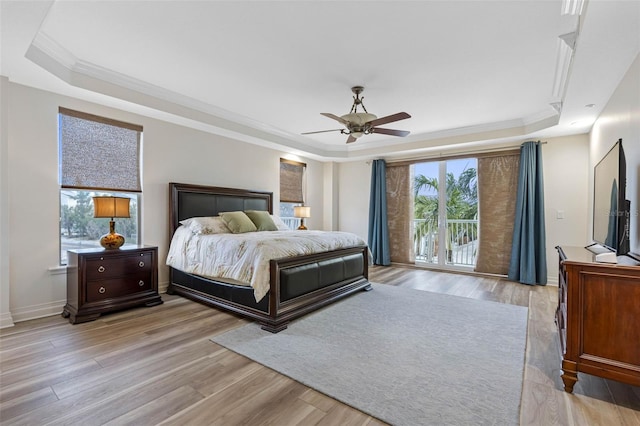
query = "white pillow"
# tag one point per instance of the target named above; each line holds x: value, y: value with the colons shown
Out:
x: 206, y: 225
x: 280, y: 224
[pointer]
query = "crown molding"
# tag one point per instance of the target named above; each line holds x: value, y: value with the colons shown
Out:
x: 565, y: 49
x: 51, y: 56
x: 54, y: 58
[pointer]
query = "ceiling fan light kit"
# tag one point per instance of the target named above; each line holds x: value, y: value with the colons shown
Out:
x: 362, y: 123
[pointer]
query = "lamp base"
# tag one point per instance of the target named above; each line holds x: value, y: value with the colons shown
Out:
x: 302, y: 227
x: 112, y: 241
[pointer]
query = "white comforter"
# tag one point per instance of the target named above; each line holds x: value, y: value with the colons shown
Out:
x: 244, y: 258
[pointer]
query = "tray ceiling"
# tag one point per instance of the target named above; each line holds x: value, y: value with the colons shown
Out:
x: 470, y: 73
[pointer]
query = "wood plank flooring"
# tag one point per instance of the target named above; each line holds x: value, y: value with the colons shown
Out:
x: 150, y: 366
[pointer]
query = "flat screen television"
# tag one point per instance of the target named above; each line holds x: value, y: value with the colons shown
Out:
x: 611, y: 209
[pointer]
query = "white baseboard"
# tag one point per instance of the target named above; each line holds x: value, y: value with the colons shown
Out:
x: 46, y: 310
x: 38, y: 311
x: 6, y: 320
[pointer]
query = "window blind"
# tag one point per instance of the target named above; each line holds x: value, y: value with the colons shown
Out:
x: 400, y: 213
x: 98, y: 153
x: 291, y: 181
x: 497, y: 185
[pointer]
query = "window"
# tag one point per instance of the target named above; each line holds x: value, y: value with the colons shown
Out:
x: 97, y: 156
x: 292, y: 186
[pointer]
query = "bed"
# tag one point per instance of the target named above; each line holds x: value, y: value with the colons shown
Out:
x: 297, y: 285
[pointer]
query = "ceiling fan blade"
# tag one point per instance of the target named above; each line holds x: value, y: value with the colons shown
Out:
x: 351, y: 139
x: 335, y: 117
x: 391, y: 132
x: 389, y: 119
x: 322, y: 131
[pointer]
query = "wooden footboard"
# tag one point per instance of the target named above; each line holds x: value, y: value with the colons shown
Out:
x: 298, y: 286
x: 302, y: 284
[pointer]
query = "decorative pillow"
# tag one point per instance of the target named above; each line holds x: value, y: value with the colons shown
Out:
x: 238, y: 222
x: 206, y: 225
x: 280, y: 224
x: 262, y: 220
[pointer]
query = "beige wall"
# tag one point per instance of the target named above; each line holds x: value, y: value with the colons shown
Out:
x: 36, y: 285
x: 5, y: 313
x: 620, y: 119
x: 566, y: 186
x: 354, y: 185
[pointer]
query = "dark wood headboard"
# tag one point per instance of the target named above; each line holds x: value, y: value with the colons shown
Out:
x: 186, y: 200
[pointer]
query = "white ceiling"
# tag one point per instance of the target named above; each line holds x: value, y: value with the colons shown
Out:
x: 472, y: 74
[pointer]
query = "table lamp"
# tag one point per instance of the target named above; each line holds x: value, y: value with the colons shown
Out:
x: 111, y: 207
x: 302, y: 212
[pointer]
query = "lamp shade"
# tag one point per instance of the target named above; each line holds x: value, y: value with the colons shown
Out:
x: 110, y: 207
x: 302, y: 211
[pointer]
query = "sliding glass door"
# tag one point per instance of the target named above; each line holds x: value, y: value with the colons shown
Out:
x: 445, y: 224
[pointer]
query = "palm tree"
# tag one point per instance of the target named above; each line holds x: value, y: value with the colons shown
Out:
x: 462, y: 201
x: 425, y: 206
x: 467, y: 184
x: 462, y: 196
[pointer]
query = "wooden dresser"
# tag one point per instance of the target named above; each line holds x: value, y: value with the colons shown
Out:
x: 100, y: 281
x: 598, y: 317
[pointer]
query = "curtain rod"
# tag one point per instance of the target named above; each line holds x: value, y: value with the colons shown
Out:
x: 458, y: 154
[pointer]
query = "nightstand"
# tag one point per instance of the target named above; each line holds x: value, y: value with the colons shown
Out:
x: 100, y: 281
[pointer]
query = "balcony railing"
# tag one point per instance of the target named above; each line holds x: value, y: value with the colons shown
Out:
x: 291, y: 222
x: 461, y: 241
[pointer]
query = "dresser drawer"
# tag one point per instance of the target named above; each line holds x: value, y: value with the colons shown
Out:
x: 100, y: 268
x: 117, y: 287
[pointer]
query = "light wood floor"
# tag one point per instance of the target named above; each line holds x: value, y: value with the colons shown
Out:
x: 156, y: 365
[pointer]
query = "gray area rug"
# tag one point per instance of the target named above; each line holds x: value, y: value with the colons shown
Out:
x: 407, y: 357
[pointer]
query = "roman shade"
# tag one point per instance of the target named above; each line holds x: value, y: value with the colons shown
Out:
x: 400, y: 212
x: 291, y: 181
x: 497, y: 183
x: 98, y: 153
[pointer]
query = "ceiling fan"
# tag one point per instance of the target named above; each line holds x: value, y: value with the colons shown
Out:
x: 363, y: 123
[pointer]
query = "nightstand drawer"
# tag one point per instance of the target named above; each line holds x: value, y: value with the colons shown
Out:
x: 117, y: 287
x: 100, y: 268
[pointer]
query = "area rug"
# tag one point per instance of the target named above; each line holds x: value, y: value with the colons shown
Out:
x: 407, y: 357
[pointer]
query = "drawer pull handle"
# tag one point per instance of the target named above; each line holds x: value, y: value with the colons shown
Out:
x: 101, y: 269
x: 141, y: 283
x: 141, y: 264
x: 102, y: 290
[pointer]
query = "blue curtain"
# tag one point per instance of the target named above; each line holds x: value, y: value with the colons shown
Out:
x: 378, y: 227
x: 528, y: 263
